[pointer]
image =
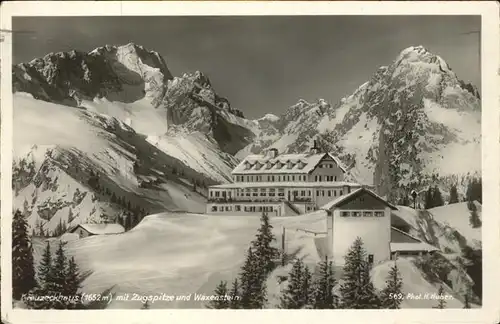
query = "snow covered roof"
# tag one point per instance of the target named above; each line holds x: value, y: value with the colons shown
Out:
x: 339, y: 200
x: 415, y: 245
x: 286, y: 185
x: 409, y: 247
x: 100, y: 229
x: 283, y: 163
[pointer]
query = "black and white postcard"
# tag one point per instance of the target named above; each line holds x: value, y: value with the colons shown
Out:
x: 246, y: 156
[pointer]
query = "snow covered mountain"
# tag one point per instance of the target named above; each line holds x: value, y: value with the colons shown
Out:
x: 80, y: 166
x: 413, y: 123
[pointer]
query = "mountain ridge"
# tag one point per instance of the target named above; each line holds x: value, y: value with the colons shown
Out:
x: 404, y: 128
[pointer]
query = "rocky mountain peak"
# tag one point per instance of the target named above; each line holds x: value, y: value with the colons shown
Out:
x: 120, y: 73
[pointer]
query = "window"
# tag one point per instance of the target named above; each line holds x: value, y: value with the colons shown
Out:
x: 367, y: 214
x: 335, y: 178
x: 255, y: 192
x: 214, y: 208
x: 335, y: 193
x: 217, y: 194
x: 379, y: 214
x: 211, y: 193
x: 281, y: 192
x: 272, y: 192
x: 260, y: 208
x: 237, y: 208
x: 303, y: 193
x: 262, y: 192
x: 293, y: 178
x: 329, y: 193
x: 247, y: 192
x: 317, y: 193
x: 345, y: 214
x: 309, y: 193
x: 330, y: 166
x: 228, y: 208
x: 356, y: 214
x: 340, y: 193
x: 221, y: 208
x: 322, y: 193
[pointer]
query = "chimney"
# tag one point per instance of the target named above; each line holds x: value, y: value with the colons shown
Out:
x: 273, y: 153
x: 315, y: 149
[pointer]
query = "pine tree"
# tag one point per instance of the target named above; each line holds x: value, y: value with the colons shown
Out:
x: 221, y: 302
x: 358, y: 291
x: 437, y: 198
x: 324, y: 298
x: 45, y: 285
x: 264, y: 252
x: 23, y: 269
x: 390, y: 296
x: 429, y: 201
x: 453, y: 195
x: 293, y: 295
x: 466, y: 300
x: 474, y: 219
x: 234, y: 294
x: 253, y: 285
x: 73, y: 282
x: 307, y: 288
x: 442, y: 302
x: 58, y: 275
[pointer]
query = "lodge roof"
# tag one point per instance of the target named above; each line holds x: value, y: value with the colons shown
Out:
x: 344, y: 198
x: 283, y: 163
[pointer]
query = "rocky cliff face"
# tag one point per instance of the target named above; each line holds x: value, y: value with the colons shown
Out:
x: 120, y: 73
x: 414, y: 121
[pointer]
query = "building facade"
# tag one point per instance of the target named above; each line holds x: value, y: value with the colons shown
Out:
x: 361, y: 213
x: 281, y: 184
x: 86, y: 230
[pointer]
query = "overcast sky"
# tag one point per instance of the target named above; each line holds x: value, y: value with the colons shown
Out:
x: 265, y: 64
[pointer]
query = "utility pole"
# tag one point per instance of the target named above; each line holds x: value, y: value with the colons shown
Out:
x: 283, y: 247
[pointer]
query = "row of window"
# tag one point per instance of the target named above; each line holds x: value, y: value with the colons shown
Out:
x: 364, y: 213
x: 270, y: 178
x: 279, y: 165
x: 272, y: 192
x: 281, y: 178
x: 247, y: 209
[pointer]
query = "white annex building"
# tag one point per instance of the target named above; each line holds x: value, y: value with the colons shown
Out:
x: 281, y: 184
x: 293, y: 184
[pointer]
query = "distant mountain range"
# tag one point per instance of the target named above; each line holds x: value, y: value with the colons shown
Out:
x: 157, y: 141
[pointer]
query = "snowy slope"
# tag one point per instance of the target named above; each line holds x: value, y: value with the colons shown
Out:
x: 198, y: 152
x: 201, y: 251
x: 414, y: 283
x: 53, y: 158
x: 457, y: 216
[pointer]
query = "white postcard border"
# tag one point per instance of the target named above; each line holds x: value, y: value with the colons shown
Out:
x: 489, y: 313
